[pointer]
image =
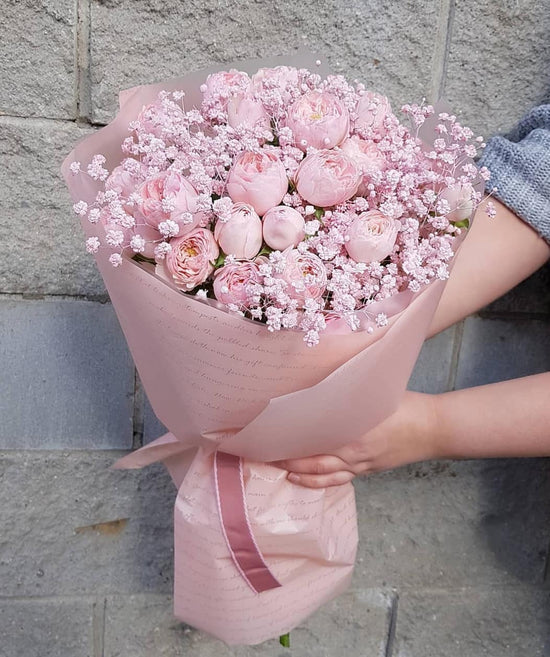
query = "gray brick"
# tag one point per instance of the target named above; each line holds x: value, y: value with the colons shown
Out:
x: 45, y: 254
x: 531, y: 296
x: 152, y: 426
x: 432, y: 370
x: 67, y: 376
x: 445, y: 524
x: 38, y: 62
x: 170, y: 38
x: 46, y: 628
x: 355, y: 624
x: 60, y: 534
x: 496, y: 349
x: 498, y: 60
x: 459, y: 623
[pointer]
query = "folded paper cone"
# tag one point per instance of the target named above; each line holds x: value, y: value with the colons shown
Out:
x: 222, y: 382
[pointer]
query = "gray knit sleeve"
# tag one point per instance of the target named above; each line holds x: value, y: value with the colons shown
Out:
x: 520, y: 169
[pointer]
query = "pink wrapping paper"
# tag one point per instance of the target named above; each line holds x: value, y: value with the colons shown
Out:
x: 219, y: 381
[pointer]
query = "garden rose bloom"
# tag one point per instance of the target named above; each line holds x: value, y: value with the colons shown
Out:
x: 281, y: 78
x: 245, y: 110
x: 367, y: 156
x: 318, y: 118
x: 305, y: 275
x: 225, y: 84
x: 189, y: 263
x: 169, y: 186
x: 459, y: 198
x: 327, y: 178
x: 231, y: 282
x: 158, y: 118
x: 241, y: 234
x: 371, y: 110
x: 283, y: 227
x: 124, y: 182
x: 372, y: 236
x: 258, y: 179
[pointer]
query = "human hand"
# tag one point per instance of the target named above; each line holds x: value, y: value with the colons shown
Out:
x: 407, y: 436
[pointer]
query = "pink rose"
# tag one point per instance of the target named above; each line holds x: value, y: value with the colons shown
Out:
x: 247, y: 111
x: 318, y: 119
x: 278, y: 77
x: 305, y: 275
x: 258, y: 179
x: 283, y: 79
x: 372, y: 109
x: 155, y: 118
x: 225, y: 83
x: 179, y: 197
x: 327, y: 178
x: 372, y: 237
x: 241, y: 234
x: 124, y: 181
x: 189, y: 262
x: 232, y: 282
x: 459, y: 198
x: 283, y: 227
x: 367, y: 156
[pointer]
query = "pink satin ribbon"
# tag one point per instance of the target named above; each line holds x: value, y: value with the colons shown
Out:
x: 231, y: 499
x: 229, y: 484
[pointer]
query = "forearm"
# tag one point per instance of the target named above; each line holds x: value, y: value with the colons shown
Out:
x: 506, y: 419
x: 497, y: 254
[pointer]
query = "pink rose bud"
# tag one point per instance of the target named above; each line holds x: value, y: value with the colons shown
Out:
x: 243, y: 110
x: 305, y: 275
x: 241, y: 234
x: 189, y: 262
x: 169, y: 196
x: 318, y: 119
x: 283, y: 227
x: 372, y: 237
x: 372, y: 109
x: 258, y: 179
x: 233, y: 282
x: 459, y: 198
x: 327, y: 178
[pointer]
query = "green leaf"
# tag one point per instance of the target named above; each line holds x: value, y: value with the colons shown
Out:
x: 284, y: 640
x: 220, y: 260
x: 465, y: 223
x: 319, y: 214
x: 266, y: 250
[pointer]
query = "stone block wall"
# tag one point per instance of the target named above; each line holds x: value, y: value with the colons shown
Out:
x: 69, y: 394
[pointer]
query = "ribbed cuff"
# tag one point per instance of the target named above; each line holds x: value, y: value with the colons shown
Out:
x: 521, y: 173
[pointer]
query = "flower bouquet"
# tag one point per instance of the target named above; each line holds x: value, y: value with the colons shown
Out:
x: 274, y: 241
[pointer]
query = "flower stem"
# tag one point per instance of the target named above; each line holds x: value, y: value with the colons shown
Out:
x: 284, y: 640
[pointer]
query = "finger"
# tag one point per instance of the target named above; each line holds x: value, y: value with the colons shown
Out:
x: 321, y: 481
x: 318, y: 465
